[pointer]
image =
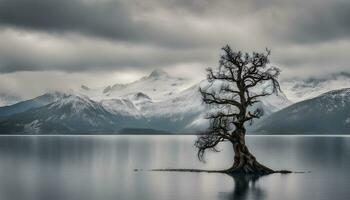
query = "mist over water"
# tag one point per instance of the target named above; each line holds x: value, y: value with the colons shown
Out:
x: 102, y: 168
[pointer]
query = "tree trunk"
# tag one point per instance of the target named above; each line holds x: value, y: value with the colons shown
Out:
x: 244, y: 161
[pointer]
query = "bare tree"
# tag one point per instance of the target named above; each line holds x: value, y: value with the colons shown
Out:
x: 232, y: 90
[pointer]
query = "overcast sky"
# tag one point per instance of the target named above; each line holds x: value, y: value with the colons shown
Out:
x: 63, y: 43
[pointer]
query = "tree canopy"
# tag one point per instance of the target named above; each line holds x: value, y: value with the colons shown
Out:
x: 233, y: 88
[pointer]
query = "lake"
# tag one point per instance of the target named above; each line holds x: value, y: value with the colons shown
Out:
x: 102, y: 168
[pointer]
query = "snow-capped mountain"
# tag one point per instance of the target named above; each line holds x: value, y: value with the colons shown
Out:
x: 328, y: 113
x: 121, y: 106
x: 31, y: 103
x: 183, y: 112
x: 158, y: 102
x: 301, y: 89
x: 159, y: 85
x: 68, y: 113
x: 8, y: 99
x: 178, y: 112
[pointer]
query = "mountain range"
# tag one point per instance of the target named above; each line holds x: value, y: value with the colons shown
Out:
x: 155, y: 103
x: 161, y: 103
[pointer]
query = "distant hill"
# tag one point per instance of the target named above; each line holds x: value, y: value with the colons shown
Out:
x: 328, y: 113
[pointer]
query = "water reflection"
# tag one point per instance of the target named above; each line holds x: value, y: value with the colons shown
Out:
x: 101, y: 168
x: 245, y: 187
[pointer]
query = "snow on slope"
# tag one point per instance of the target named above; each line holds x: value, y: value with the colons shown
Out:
x: 162, y: 99
x: 186, y: 108
x: 121, y: 106
x: 75, y: 105
x: 188, y: 100
x: 157, y: 101
x: 8, y: 99
x: 158, y: 86
x: 31, y: 103
x: 68, y: 113
x: 299, y: 90
x: 76, y: 101
x: 275, y: 102
x: 336, y: 99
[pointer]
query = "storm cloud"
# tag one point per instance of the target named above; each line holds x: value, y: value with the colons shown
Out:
x: 135, y: 35
x: 107, y: 19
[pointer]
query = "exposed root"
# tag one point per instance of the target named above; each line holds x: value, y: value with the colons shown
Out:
x: 188, y: 170
x: 229, y: 171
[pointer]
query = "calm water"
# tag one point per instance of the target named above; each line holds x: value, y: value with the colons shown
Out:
x: 101, y: 168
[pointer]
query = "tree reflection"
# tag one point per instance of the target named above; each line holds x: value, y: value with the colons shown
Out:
x: 245, y: 187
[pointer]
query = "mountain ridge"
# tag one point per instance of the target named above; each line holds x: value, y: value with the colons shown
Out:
x: 137, y: 106
x: 327, y: 113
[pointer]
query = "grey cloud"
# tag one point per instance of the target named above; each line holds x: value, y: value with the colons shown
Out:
x: 114, y: 20
x: 108, y: 19
x: 89, y: 55
x: 291, y: 21
x: 164, y: 33
x: 320, y: 21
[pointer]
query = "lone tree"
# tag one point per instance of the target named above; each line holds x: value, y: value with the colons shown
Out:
x: 232, y: 91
